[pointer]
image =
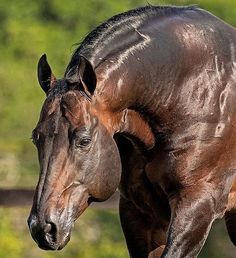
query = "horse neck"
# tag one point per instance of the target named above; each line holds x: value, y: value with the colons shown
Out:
x: 118, y: 101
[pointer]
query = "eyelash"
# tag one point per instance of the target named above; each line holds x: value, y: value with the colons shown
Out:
x: 82, y: 142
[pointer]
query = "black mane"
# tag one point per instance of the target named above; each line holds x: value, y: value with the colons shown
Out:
x: 146, y: 10
x: 123, y: 21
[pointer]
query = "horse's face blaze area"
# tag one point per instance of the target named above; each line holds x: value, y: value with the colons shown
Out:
x: 79, y: 163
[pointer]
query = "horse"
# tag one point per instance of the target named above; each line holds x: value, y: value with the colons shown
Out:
x: 147, y: 105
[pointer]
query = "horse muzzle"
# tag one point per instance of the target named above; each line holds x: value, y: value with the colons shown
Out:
x: 51, y: 220
x: 50, y: 234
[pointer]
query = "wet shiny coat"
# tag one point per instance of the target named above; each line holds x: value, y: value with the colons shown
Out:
x: 160, y: 81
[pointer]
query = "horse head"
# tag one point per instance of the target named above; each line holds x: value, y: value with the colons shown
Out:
x: 79, y: 160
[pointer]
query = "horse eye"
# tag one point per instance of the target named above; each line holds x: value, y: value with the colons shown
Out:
x: 35, y: 138
x: 83, y: 142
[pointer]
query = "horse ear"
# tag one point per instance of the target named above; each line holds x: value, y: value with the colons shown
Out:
x: 45, y: 77
x: 85, y: 76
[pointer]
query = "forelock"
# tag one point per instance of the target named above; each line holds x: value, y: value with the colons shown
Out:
x: 59, y: 88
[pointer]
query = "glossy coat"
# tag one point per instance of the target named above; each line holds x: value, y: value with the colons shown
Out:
x: 147, y: 103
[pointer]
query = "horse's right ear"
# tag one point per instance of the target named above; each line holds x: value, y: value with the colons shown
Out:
x: 45, y: 77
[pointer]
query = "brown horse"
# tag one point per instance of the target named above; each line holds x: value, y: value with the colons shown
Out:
x: 147, y: 104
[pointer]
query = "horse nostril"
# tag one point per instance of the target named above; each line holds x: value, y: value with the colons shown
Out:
x: 50, y: 230
x: 32, y: 222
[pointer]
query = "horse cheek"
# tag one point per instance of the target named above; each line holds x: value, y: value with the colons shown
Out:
x: 106, y: 177
x: 112, y: 169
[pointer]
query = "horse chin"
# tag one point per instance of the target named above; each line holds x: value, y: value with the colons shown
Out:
x: 65, y: 233
x: 65, y: 241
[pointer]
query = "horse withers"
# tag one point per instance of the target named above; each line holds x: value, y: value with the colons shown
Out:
x: 147, y: 105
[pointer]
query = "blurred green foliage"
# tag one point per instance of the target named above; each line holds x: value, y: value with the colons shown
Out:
x: 27, y: 30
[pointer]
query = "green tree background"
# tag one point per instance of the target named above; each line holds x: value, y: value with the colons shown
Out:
x: 27, y: 30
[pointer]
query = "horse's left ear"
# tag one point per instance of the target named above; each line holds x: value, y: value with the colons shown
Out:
x: 86, y: 76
